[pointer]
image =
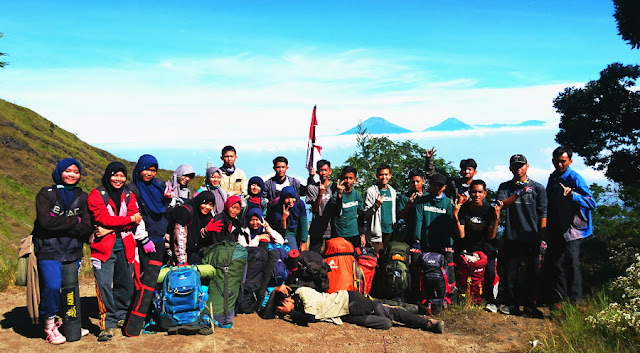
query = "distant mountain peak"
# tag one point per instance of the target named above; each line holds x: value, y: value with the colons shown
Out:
x: 378, y: 125
x: 450, y: 124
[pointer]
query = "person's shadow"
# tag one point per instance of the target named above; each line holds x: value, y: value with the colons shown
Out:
x: 18, y: 319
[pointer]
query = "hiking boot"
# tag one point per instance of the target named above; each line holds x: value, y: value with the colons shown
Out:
x: 54, y: 336
x: 106, y: 334
x: 533, y: 313
x: 492, y: 308
x: 435, y: 326
x: 509, y: 310
x: 205, y: 330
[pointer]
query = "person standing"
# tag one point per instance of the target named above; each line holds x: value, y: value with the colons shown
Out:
x: 234, y: 181
x: 318, y: 196
x: 274, y: 185
x: 570, y: 206
x: 380, y: 209
x: 525, y: 202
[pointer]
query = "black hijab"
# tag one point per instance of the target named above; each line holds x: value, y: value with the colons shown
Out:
x: 114, y: 194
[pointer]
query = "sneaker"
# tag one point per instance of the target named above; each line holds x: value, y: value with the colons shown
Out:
x: 508, y: 310
x: 205, y: 330
x: 492, y: 308
x: 54, y: 336
x: 434, y: 326
x: 533, y: 313
x: 83, y: 332
x: 221, y: 325
x: 106, y: 335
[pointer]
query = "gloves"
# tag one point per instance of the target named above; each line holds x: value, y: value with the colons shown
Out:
x: 214, y: 226
x: 149, y: 247
x: 524, y: 190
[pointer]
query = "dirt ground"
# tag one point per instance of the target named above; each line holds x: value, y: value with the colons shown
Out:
x: 464, y: 332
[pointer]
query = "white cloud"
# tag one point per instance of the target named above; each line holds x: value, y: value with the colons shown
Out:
x: 253, y: 97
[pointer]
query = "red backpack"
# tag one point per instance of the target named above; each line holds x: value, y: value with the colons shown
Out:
x: 367, y: 261
x: 472, y: 268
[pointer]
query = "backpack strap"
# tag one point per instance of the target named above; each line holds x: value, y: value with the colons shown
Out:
x: 52, y: 196
x: 105, y: 195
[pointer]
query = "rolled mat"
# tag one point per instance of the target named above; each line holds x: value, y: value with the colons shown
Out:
x: 72, y: 317
x: 142, y: 299
x: 206, y: 272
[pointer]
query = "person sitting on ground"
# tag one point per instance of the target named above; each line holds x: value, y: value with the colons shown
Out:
x: 347, y: 208
x: 187, y: 228
x: 307, y: 305
x: 318, y: 196
x: 276, y: 183
x: 212, y: 184
x: 225, y: 225
x: 288, y: 216
x: 476, y: 227
x: 62, y: 226
x: 257, y: 230
x: 380, y: 209
x: 178, y: 186
x: 234, y: 181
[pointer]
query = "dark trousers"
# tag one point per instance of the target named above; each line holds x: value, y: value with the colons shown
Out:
x: 516, y: 291
x: 563, y: 269
x: 114, y: 287
x: 355, y: 240
x: 490, y: 277
x: 372, y: 314
x: 315, y: 244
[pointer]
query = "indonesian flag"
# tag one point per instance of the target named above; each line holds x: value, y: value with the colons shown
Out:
x: 313, y: 150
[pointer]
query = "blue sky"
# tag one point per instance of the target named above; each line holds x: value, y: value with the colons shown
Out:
x: 222, y: 72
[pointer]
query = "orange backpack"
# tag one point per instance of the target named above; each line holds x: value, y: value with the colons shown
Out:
x: 345, y: 273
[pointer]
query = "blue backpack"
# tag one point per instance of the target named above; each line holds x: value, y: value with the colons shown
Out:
x: 280, y: 273
x: 182, y: 299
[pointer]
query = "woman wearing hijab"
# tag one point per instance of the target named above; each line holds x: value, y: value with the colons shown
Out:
x: 257, y: 230
x: 225, y: 225
x: 150, y: 193
x: 254, y: 197
x: 113, y: 247
x: 61, y: 227
x: 178, y: 185
x: 212, y: 183
x: 187, y: 223
x: 288, y: 216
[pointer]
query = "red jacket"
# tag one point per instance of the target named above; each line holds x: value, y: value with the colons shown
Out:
x: 101, y: 248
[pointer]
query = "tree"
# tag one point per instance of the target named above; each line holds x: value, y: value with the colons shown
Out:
x: 628, y: 17
x: 601, y: 122
x: 3, y: 63
x: 402, y: 157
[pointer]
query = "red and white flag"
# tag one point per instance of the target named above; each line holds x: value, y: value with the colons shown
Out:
x: 313, y: 150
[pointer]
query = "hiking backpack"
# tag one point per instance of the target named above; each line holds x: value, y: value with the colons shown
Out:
x: 182, y: 298
x: 472, y: 269
x: 311, y: 272
x: 393, y: 278
x: 280, y: 273
x: 229, y: 260
x: 345, y: 273
x: 435, y: 288
x: 367, y: 262
x: 252, y: 280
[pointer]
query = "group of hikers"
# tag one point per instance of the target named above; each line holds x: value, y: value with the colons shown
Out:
x: 427, y: 247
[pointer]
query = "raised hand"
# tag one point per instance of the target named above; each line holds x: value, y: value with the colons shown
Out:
x: 379, y: 200
x: 413, y: 197
x: 431, y: 152
x: 312, y: 172
x: 497, y: 207
x: 214, y: 226
x: 168, y: 191
x: 340, y: 187
x: 285, y: 211
x: 566, y: 191
x: 457, y: 205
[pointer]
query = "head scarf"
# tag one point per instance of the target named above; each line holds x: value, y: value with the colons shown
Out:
x: 219, y: 193
x: 294, y: 212
x: 182, y: 191
x: 247, y: 217
x: 232, y: 200
x: 65, y: 191
x: 114, y: 194
x: 202, y: 219
x: 152, y: 193
x: 255, y: 200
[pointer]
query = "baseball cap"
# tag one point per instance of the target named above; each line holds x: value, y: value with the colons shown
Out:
x: 438, y: 178
x: 517, y: 159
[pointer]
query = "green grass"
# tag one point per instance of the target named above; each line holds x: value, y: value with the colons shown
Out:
x: 576, y: 335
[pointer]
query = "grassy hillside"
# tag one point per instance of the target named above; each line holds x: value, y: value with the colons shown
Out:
x: 30, y: 146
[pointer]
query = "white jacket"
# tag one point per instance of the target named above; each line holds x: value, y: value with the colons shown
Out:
x: 372, y: 210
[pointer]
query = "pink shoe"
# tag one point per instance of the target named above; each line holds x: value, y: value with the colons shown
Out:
x: 51, y: 330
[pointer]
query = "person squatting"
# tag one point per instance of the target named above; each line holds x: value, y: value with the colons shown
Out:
x: 243, y: 245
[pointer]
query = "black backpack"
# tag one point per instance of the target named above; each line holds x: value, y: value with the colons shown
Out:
x: 252, y: 281
x: 312, y: 272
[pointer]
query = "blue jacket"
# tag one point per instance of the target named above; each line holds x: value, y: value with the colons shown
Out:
x: 571, y: 217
